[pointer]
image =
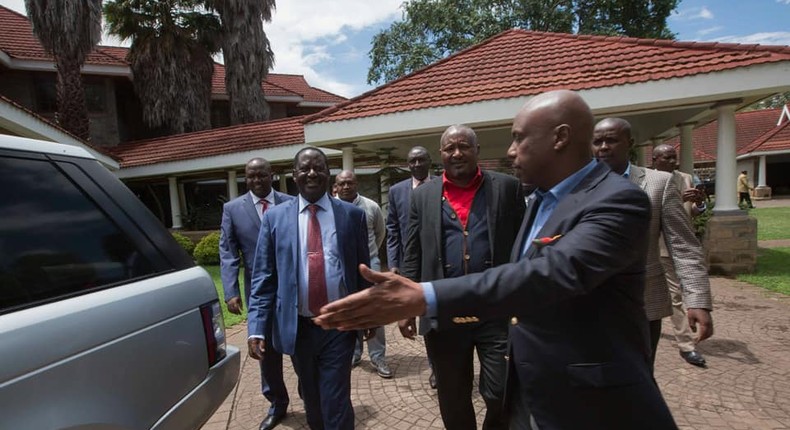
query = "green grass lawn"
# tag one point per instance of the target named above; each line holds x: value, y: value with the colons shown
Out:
x: 772, y: 223
x: 230, y: 319
x: 773, y: 271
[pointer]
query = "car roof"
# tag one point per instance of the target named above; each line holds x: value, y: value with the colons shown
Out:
x: 40, y: 146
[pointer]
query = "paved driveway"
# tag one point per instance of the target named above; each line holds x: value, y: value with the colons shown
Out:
x: 746, y: 384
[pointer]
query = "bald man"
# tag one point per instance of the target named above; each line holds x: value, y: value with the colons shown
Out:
x: 612, y: 141
x: 579, y: 345
x: 665, y: 159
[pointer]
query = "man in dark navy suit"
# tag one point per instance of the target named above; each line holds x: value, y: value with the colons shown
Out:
x: 241, y: 223
x: 579, y: 342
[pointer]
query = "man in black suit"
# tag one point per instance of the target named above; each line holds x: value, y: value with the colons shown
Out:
x: 463, y: 223
x: 580, y: 352
x: 419, y: 161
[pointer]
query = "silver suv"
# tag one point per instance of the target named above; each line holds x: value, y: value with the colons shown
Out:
x: 105, y: 322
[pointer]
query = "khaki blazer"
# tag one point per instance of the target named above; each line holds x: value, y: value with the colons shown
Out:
x: 670, y: 218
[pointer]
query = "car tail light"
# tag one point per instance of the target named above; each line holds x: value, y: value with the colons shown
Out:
x: 214, y: 329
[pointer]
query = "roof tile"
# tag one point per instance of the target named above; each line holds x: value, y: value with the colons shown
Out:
x: 520, y: 63
x: 240, y: 138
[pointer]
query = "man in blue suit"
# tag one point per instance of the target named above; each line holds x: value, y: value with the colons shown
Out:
x: 308, y: 254
x: 579, y: 343
x: 241, y: 223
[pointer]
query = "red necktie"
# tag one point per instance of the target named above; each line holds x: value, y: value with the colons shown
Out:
x: 264, y: 206
x: 316, y: 278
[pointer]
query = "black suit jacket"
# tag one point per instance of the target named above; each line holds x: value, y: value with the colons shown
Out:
x: 579, y: 346
x: 424, y: 255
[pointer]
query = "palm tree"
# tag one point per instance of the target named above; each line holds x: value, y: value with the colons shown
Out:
x: 248, y: 56
x: 170, y: 56
x: 68, y: 30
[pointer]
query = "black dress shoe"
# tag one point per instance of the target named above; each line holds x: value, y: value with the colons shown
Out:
x: 693, y: 357
x: 432, y: 380
x: 271, y: 422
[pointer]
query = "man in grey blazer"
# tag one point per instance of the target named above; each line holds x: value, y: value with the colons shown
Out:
x: 241, y: 223
x: 611, y: 144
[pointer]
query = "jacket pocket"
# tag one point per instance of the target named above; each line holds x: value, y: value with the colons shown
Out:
x: 599, y: 375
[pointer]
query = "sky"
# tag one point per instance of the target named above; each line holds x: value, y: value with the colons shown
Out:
x: 328, y: 41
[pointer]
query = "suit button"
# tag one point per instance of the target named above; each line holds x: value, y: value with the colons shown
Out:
x: 466, y: 233
x: 452, y: 216
x: 514, y: 321
x: 467, y: 257
x: 507, y: 357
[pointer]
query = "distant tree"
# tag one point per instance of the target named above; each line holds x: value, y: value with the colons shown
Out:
x: 773, y: 102
x: 172, y: 45
x: 248, y: 56
x: 433, y: 29
x: 68, y: 30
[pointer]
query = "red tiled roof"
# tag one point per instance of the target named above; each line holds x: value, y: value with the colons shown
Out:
x: 749, y: 126
x: 18, y: 41
x: 777, y: 139
x: 520, y: 63
x: 240, y: 138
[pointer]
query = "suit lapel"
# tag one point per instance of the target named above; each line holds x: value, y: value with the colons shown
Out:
x: 249, y: 208
x: 435, y: 195
x: 532, y: 210
x: 637, y: 176
x: 492, y: 201
x: 569, y: 204
x: 340, y: 230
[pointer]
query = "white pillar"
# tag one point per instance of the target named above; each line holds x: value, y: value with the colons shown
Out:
x: 384, y: 177
x: 348, y: 157
x: 687, y: 148
x: 726, y: 166
x: 761, y: 173
x: 175, y: 203
x: 283, y: 183
x: 233, y: 187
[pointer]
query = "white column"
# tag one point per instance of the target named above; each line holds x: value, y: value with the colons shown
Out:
x: 233, y: 187
x: 687, y: 148
x: 175, y: 203
x: 726, y: 165
x: 761, y: 173
x: 384, y: 177
x: 283, y: 183
x: 348, y: 157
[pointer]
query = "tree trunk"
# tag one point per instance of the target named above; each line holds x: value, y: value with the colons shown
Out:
x: 72, y: 113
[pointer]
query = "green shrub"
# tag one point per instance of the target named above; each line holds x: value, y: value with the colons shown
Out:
x: 184, y: 241
x: 207, y: 250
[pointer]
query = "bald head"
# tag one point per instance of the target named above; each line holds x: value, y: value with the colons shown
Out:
x: 612, y: 143
x: 347, y: 185
x: 419, y: 161
x: 552, y: 129
x: 665, y: 158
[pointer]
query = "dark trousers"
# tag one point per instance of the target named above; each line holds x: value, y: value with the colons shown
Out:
x: 655, y: 335
x: 322, y: 361
x: 272, y: 384
x: 453, y: 364
x: 747, y: 198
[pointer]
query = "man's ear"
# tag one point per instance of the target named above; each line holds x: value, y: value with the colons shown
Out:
x: 562, y: 136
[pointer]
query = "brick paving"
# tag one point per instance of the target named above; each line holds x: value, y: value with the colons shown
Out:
x: 746, y: 384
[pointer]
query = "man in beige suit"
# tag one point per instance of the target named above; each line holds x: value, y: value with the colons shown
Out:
x: 665, y: 159
x: 611, y: 144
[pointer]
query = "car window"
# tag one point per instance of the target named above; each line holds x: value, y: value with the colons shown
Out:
x: 55, y: 241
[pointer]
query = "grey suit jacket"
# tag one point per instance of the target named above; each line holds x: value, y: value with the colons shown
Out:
x: 238, y: 235
x: 670, y: 218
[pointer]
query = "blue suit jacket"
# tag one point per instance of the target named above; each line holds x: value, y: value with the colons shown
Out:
x: 397, y: 221
x: 581, y: 334
x: 275, y: 296
x: 239, y: 234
